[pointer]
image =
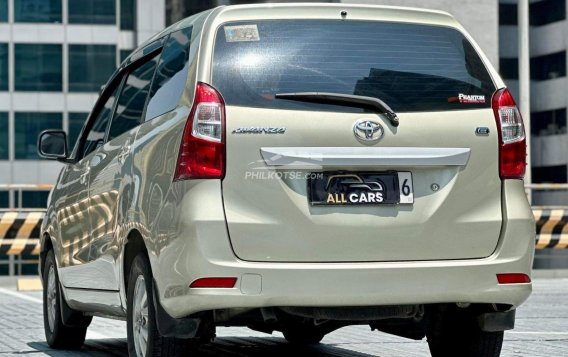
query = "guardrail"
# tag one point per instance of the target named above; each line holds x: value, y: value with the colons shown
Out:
x: 20, y: 227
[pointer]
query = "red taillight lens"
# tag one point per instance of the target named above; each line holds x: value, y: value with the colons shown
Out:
x: 223, y: 283
x: 513, y: 278
x: 202, y: 150
x: 512, y: 142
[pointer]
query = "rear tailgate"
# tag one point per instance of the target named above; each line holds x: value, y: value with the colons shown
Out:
x: 430, y: 76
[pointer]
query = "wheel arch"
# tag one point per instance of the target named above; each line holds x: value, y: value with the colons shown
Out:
x: 134, y: 245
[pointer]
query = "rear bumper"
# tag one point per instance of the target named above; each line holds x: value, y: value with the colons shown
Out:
x: 203, y: 250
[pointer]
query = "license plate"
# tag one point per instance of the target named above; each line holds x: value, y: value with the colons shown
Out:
x: 360, y: 188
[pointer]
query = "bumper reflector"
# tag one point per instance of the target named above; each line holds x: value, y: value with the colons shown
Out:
x: 225, y: 283
x: 513, y: 278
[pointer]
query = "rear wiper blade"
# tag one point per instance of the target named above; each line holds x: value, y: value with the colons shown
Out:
x: 348, y: 99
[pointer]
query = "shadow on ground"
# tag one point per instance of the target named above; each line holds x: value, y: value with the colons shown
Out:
x: 222, y: 347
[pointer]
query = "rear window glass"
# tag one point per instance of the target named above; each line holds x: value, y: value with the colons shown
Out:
x: 410, y: 67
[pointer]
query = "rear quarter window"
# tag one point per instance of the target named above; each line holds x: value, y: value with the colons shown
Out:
x: 411, y: 67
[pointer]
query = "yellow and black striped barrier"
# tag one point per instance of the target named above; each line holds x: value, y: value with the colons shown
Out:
x: 19, y: 231
x: 551, y: 228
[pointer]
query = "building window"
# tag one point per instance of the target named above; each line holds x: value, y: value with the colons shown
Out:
x: 4, y: 144
x: 509, y: 68
x: 124, y: 54
x: 3, y: 10
x: 37, y: 11
x: 3, y: 66
x: 547, y: 11
x: 507, y: 14
x: 548, y: 66
x: 90, y: 66
x: 38, y: 67
x: 28, y: 128
x: 4, y: 199
x: 127, y: 14
x: 32, y: 199
x: 76, y: 122
x: 92, y: 12
x: 549, y: 174
x: 550, y: 122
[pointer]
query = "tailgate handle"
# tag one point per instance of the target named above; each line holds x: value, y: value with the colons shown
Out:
x: 362, y: 156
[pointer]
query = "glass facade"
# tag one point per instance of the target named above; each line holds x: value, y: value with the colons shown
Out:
x: 90, y: 66
x: 509, y: 68
x: 28, y: 126
x: 547, y: 11
x: 3, y: 66
x: 38, y: 67
x: 45, y: 11
x: 4, y: 142
x: 32, y: 199
x: 127, y: 14
x: 549, y: 122
x: 3, y: 10
x: 549, y: 174
x: 548, y: 66
x: 541, y: 12
x: 92, y: 12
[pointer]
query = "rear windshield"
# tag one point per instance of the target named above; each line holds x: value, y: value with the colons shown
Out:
x: 410, y: 67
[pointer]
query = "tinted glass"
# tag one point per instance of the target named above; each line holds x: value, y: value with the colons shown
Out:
x: 38, y: 67
x: 410, y: 67
x: 507, y: 14
x: 92, y: 12
x: 3, y: 10
x: 132, y: 99
x: 127, y: 14
x: 549, y: 122
x: 171, y: 74
x: 124, y: 54
x: 4, y: 145
x: 76, y: 123
x: 548, y: 66
x: 37, y: 10
x: 509, y: 68
x: 547, y: 11
x: 96, y: 134
x: 28, y: 128
x: 4, y: 199
x: 3, y: 66
x: 549, y: 174
x: 90, y: 66
x: 33, y: 199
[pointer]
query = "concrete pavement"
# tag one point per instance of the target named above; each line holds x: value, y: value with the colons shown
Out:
x: 542, y: 330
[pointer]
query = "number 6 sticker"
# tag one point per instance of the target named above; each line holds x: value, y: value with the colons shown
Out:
x: 405, y: 187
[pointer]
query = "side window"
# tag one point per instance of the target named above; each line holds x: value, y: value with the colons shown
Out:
x: 96, y: 134
x: 133, y: 98
x: 171, y: 75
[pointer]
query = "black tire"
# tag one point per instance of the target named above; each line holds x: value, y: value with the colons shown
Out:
x: 57, y: 334
x: 156, y: 345
x: 303, y: 335
x: 457, y: 333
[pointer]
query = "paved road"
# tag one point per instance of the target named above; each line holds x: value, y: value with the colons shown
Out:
x: 542, y: 330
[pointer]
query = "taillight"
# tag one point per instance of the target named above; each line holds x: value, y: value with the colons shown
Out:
x: 512, y: 142
x: 202, y: 150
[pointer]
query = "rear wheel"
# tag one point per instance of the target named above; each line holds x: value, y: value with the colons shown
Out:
x: 456, y: 333
x: 57, y: 334
x: 143, y: 336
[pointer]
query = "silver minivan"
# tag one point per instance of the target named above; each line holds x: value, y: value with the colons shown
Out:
x: 295, y: 168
